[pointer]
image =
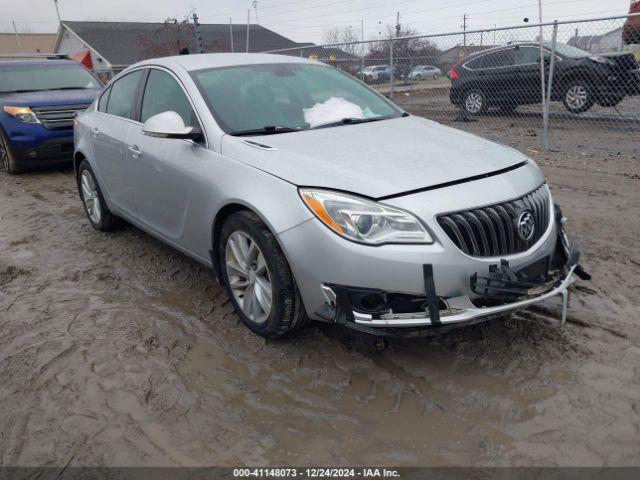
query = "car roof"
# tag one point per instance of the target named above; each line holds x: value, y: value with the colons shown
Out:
x: 217, y: 60
x: 34, y: 63
x: 500, y: 47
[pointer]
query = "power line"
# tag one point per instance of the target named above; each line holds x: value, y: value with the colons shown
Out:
x: 479, y: 14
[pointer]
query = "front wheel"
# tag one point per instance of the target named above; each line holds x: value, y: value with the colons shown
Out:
x: 7, y: 161
x: 258, y: 278
x: 95, y: 207
x: 578, y: 97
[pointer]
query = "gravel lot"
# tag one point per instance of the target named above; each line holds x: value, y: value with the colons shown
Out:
x: 117, y: 350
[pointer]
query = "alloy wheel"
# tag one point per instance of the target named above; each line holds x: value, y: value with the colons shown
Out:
x: 473, y: 102
x: 90, y: 196
x: 577, y: 97
x: 248, y: 276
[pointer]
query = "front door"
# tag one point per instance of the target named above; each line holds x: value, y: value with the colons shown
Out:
x: 527, y: 59
x: 167, y: 170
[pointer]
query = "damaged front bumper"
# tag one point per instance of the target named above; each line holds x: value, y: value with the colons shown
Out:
x: 500, y: 292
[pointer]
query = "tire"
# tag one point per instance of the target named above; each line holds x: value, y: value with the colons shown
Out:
x: 8, y: 163
x: 95, y: 207
x: 253, y: 264
x: 578, y: 96
x: 508, y: 108
x: 610, y: 101
x: 474, y: 101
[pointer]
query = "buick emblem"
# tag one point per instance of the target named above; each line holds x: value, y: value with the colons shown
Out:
x: 525, y: 226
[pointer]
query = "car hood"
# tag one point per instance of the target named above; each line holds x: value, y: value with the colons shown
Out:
x: 49, y: 97
x: 377, y: 159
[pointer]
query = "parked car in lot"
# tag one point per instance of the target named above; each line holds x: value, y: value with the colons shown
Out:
x: 376, y: 73
x: 315, y: 198
x: 38, y: 100
x: 631, y: 29
x: 424, y: 72
x: 509, y: 76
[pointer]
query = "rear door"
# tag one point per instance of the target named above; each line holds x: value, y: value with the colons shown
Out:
x: 498, y: 77
x: 166, y: 170
x: 115, y: 116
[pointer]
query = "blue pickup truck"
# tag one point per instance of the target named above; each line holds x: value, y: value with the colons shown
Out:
x: 39, y: 98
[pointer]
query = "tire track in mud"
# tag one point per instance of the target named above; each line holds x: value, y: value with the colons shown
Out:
x: 115, y: 349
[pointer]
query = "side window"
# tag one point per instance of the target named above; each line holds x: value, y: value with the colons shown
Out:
x: 501, y: 58
x: 163, y: 94
x: 527, y: 55
x: 122, y: 98
x: 475, y: 64
x: 102, y: 103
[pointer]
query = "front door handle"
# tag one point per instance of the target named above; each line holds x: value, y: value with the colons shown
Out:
x: 135, y: 151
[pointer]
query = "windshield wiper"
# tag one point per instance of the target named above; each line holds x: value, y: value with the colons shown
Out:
x: 351, y: 121
x: 20, y: 91
x: 266, y: 130
x: 68, y: 88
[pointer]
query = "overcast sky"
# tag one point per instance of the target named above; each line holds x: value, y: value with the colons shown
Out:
x: 306, y: 20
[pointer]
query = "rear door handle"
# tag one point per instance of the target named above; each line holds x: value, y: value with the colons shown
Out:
x: 135, y: 151
x: 95, y: 131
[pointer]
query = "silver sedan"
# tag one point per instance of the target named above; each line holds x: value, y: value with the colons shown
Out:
x: 315, y: 198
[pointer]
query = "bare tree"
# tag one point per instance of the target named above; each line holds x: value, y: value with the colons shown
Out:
x: 170, y: 38
x: 345, y: 36
x: 173, y: 37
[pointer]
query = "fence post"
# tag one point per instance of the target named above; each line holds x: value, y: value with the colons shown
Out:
x: 547, y: 106
x: 393, y: 70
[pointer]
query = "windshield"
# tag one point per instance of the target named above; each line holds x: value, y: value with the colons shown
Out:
x: 569, y: 50
x: 295, y: 96
x: 21, y: 78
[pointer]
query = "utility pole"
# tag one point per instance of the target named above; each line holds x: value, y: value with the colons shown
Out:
x: 15, y: 29
x: 398, y: 24
x: 254, y: 4
x: 464, y: 35
x: 248, y: 22
x: 231, y: 32
x: 196, y: 28
x: 55, y: 2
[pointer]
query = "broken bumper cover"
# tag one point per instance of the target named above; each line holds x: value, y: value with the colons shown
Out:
x: 461, y: 310
x: 500, y: 292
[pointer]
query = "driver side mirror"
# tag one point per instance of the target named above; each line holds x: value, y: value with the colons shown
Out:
x: 169, y: 125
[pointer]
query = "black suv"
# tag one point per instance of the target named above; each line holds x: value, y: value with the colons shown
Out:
x: 506, y: 77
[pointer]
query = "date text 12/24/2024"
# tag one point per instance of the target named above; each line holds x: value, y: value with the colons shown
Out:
x: 315, y: 473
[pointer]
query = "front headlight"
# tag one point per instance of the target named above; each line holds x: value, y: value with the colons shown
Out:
x: 24, y: 114
x: 362, y: 220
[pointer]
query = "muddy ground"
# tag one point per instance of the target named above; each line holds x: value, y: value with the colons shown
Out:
x: 117, y: 350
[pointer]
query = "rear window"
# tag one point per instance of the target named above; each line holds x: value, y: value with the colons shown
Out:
x: 475, y: 64
x: 501, y: 58
x: 102, y: 103
x: 122, y: 98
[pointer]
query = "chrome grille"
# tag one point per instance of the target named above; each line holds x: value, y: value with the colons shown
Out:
x: 57, y: 117
x: 492, y: 231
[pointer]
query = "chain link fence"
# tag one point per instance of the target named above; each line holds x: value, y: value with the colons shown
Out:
x: 569, y: 86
